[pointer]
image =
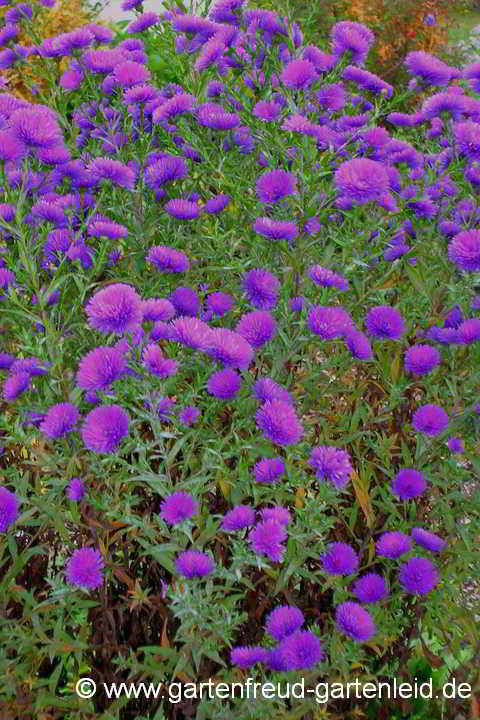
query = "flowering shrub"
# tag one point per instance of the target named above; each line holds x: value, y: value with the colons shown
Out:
x: 240, y: 347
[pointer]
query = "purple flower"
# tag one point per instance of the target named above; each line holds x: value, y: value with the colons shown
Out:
x: 430, y: 419
x: 331, y: 463
x: 59, y: 420
x: 15, y: 384
x: 130, y: 73
x: 327, y: 278
x: 298, y: 74
x: 216, y: 204
x: 370, y: 588
x: 354, y: 621
x: 300, y: 650
x: 246, y: 656
x: 220, y: 303
x: 194, y: 563
x: 464, y: 250
x: 267, y: 390
x: 393, y: 544
x: 456, y: 444
x: 185, y: 301
x: 367, y: 80
x: 296, y: 304
x: 469, y: 331
x: 266, y: 539
x: 167, y: 259
x: 283, y: 621
x: 278, y: 513
x: 177, y: 507
x: 104, y: 428
x: 99, y: 368
x: 421, y: 359
x: 182, y: 209
x: 35, y: 127
x: 189, y: 415
x: 279, y: 423
x: 275, y: 185
x: 192, y: 332
x: 157, y: 309
x: 238, y: 518
x: 429, y: 68
x: 85, y: 568
x: 358, y: 344
x: 156, y: 363
x: 8, y: 509
x: 266, y: 111
x: 362, y: 180
x: 143, y: 22
x: 329, y: 322
x: 384, y: 321
x: 428, y: 540
x: 230, y: 348
x: 353, y: 37
x: 177, y: 105
x: 76, y: 489
x: 429, y: 19
x: 117, y: 309
x: 269, y: 470
x: 215, y: 117
x: 418, y: 576
x: 257, y: 327
x: 340, y: 559
x: 224, y: 384
x: 409, y: 483
x: 275, y: 229
x: 107, y: 229
x: 164, y: 171
x: 261, y: 288
x: 112, y: 170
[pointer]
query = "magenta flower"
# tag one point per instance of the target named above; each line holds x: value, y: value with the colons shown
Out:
x: 353, y: 37
x: 238, y: 518
x: 327, y: 278
x: 177, y: 507
x: 267, y: 390
x: 215, y: 117
x: 157, y: 309
x: 329, y: 322
x: 283, y: 621
x: 143, y: 22
x: 354, y: 621
x: 115, y: 309
x: 104, y: 428
x: 189, y: 415
x: 167, y: 259
x: 112, y: 170
x: 194, y: 563
x: 464, y: 250
x: 182, y: 209
x: 15, y: 384
x: 430, y: 419
x: 266, y: 111
x: 421, y: 359
x: 331, y: 463
x: 340, y: 559
x: 358, y: 344
x: 257, y: 327
x: 85, y: 568
x: 246, y: 656
x: 224, y: 384
x: 59, y: 420
x: 266, y: 539
x: 216, y: 204
x: 301, y: 650
x: 279, y: 423
x: 275, y: 229
x: 370, y: 588
x: 230, y: 348
x: 220, y: 303
x: 393, y: 544
x: 408, y: 484
x: 192, y: 332
x: 130, y: 73
x: 36, y: 127
x: 261, y: 288
x: 298, y: 74
x: 156, y: 363
x: 362, y: 180
x: 428, y: 540
x: 99, y: 368
x: 8, y: 509
x: 185, y: 301
x: 275, y: 185
x: 456, y: 444
x: 418, y: 576
x: 429, y: 68
x: 76, y: 489
x: 269, y: 470
x: 384, y: 321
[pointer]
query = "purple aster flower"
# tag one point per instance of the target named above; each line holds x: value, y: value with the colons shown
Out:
x: 156, y: 363
x: 257, y: 327
x: 267, y: 390
x: 266, y: 539
x: 300, y: 650
x: 279, y: 423
x: 194, y: 563
x: 278, y: 513
x: 327, y: 278
x: 296, y: 304
x: 177, y: 105
x: 35, y: 127
x: 167, y: 259
x: 6, y: 361
x: 185, y: 301
x: 358, y: 344
x: 59, y: 420
x: 298, y: 74
x: 362, y: 180
x: 230, y: 348
x: 275, y: 229
x: 85, y: 568
x: 393, y: 544
x: 454, y: 317
x: 384, y: 321
x: 211, y: 51
x: 215, y: 117
x: 104, y: 428
x: 182, y: 209
x: 428, y: 540
x: 464, y: 250
x: 100, y: 367
x: 284, y: 621
x: 161, y: 406
x: 224, y: 384
x: 14, y: 385
x: 240, y: 517
x: 266, y: 111
x: 261, y: 288
x: 409, y: 483
x: 192, y: 332
x: 216, y: 204
x: 220, y: 303
x: 340, y: 559
x: 8, y: 509
x: 456, y: 444
x: 157, y: 309
x: 109, y: 229
x: 421, y: 359
x: 130, y: 73
x: 367, y: 80
x: 430, y: 419
x: 117, y: 308
x: 275, y: 185
x: 331, y: 463
x: 370, y: 588
x: 329, y: 322
x: 143, y: 22
x: 140, y: 94
x: 104, y: 60
x: 189, y: 415
x: 269, y: 470
x: 112, y: 170
x: 7, y: 278
x: 429, y: 68
x: 246, y: 656
x: 76, y: 489
x: 469, y: 331
x: 177, y: 507
x: 354, y: 621
x: 418, y: 576
x: 354, y: 37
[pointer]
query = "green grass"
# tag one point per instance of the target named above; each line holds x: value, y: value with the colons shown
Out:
x: 461, y: 30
